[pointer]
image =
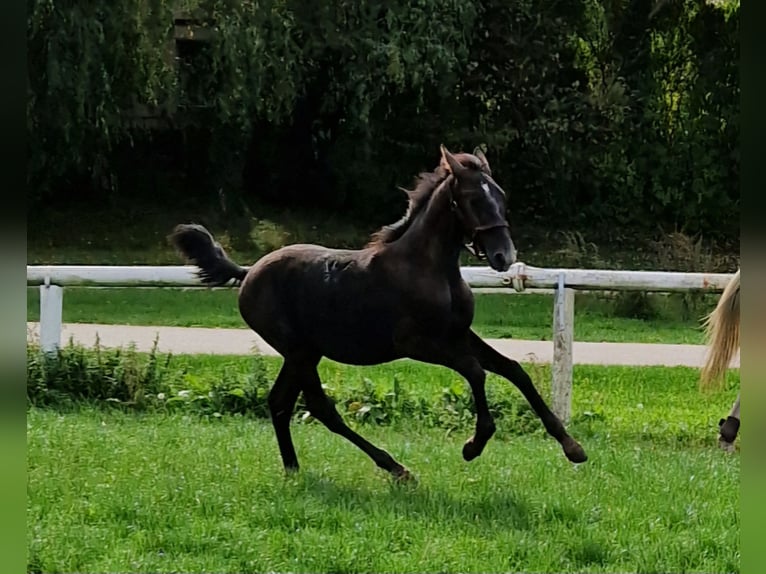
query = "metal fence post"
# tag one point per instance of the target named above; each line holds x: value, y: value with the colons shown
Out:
x: 563, y: 334
x: 51, y: 310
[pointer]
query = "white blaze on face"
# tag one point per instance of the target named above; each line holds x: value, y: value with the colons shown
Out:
x: 485, y: 188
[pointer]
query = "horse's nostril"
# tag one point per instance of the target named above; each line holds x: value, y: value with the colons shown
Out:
x: 499, y: 260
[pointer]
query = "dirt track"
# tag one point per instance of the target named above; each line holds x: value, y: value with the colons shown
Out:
x: 183, y: 340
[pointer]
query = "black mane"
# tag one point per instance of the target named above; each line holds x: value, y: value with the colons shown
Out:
x: 425, y: 185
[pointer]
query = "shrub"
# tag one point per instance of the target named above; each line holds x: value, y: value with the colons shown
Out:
x: 127, y: 379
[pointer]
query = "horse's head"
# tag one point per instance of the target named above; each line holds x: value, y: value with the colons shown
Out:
x: 480, y: 206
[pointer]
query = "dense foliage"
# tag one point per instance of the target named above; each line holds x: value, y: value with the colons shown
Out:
x: 617, y: 115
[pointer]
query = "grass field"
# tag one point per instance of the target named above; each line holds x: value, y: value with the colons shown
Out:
x: 175, y: 491
x: 656, y: 318
x: 110, y: 492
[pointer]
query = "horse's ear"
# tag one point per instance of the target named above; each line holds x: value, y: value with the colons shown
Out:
x: 451, y: 164
x: 483, y: 159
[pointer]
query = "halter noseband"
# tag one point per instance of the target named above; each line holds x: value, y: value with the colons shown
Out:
x: 471, y: 246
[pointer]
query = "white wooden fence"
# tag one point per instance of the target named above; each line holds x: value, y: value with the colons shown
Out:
x: 519, y: 277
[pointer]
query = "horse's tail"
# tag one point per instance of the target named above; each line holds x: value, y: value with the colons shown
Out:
x: 722, y: 333
x: 197, y: 245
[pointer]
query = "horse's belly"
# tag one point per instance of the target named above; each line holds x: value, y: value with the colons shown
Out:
x: 357, y: 340
x: 354, y: 355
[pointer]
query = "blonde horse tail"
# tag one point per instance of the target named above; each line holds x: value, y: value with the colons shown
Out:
x: 722, y: 335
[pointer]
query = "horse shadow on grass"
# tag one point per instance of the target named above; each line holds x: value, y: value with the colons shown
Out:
x: 481, y: 511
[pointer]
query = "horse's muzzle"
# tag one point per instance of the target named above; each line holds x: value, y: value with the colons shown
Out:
x: 499, y: 262
x: 498, y: 248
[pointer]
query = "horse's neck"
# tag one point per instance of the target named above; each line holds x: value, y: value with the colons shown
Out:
x: 436, y: 232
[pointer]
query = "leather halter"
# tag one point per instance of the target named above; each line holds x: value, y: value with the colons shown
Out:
x: 471, y: 246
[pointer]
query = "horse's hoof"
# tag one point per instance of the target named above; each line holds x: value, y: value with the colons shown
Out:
x: 471, y: 450
x: 404, y: 476
x: 573, y: 451
x: 728, y: 429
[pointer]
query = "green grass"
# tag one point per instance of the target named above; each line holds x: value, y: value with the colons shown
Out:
x: 668, y: 319
x: 167, y: 493
x: 112, y: 489
x: 661, y: 404
x: 649, y: 403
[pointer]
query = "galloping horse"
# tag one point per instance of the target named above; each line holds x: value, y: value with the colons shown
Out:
x: 401, y: 296
x: 722, y: 333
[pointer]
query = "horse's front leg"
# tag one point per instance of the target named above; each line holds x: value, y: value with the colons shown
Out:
x: 456, y: 355
x: 497, y: 363
x: 472, y: 371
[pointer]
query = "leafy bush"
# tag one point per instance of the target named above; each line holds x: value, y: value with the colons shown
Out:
x: 124, y: 378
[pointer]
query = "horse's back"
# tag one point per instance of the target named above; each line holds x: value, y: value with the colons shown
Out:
x: 329, y: 301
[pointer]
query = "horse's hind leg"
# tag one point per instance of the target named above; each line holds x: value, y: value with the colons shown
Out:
x: 497, y: 363
x: 281, y: 400
x: 322, y: 408
x: 729, y: 427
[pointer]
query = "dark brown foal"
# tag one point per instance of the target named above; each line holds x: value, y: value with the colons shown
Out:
x: 401, y: 296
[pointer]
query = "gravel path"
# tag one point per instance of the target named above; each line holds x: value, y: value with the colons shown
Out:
x: 186, y: 340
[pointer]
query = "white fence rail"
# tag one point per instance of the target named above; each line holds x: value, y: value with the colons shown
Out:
x: 52, y: 278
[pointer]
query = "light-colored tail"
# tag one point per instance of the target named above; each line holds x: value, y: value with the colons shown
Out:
x: 722, y: 333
